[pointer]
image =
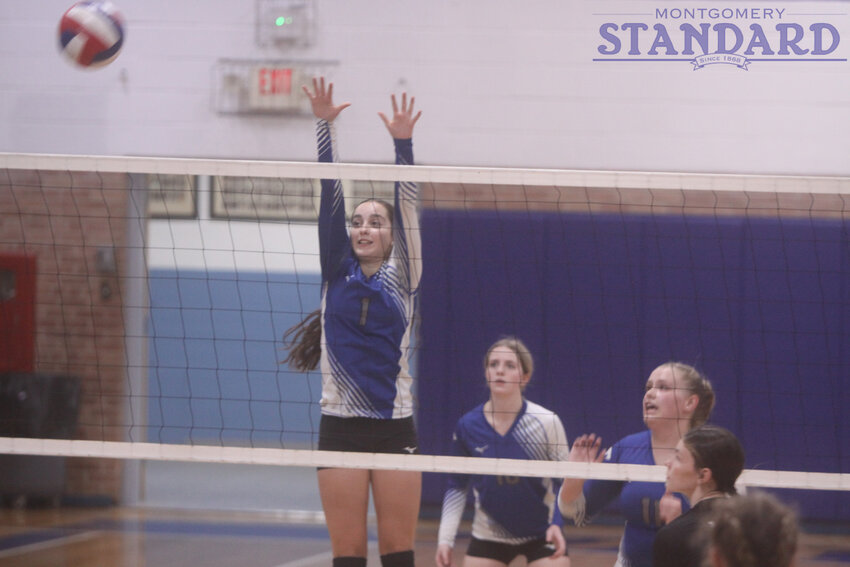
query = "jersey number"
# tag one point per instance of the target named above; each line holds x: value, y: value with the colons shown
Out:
x: 364, y: 310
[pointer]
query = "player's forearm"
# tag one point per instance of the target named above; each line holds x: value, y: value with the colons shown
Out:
x: 570, y: 491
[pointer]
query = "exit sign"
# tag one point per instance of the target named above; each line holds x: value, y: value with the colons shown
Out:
x: 274, y: 88
x: 272, y: 81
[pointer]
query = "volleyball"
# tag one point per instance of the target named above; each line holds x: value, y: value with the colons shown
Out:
x: 91, y: 33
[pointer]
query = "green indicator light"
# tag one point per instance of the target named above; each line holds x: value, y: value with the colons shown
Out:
x: 280, y: 21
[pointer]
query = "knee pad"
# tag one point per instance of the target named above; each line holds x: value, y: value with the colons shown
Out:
x: 398, y: 559
x: 349, y: 562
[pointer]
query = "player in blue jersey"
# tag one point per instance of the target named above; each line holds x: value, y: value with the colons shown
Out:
x: 677, y: 398
x: 513, y: 515
x: 360, y: 338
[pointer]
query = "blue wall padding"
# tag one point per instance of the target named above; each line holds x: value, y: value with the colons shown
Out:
x: 215, y: 348
x: 762, y: 306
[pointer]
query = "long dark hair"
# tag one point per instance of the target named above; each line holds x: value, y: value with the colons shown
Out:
x: 718, y: 450
x: 304, y: 340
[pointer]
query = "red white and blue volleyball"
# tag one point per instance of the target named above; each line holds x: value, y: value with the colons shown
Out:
x: 91, y: 33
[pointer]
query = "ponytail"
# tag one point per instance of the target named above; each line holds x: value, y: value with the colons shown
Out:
x: 304, y: 342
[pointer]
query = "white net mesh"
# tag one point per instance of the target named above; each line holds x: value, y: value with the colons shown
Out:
x: 165, y: 285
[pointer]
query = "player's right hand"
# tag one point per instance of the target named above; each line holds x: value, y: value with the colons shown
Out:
x: 444, y: 555
x: 321, y: 99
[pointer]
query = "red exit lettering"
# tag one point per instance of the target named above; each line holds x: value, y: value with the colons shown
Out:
x: 274, y: 81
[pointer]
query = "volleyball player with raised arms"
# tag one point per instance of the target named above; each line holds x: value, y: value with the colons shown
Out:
x: 513, y: 515
x: 370, y: 279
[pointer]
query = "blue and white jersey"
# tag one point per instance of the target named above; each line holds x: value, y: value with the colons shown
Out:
x: 508, y: 509
x: 638, y: 501
x: 367, y: 321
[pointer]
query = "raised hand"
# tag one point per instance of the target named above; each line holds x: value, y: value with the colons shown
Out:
x: 403, y: 120
x: 321, y: 99
x: 587, y: 449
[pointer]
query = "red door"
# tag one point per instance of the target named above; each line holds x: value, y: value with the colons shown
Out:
x: 17, y: 313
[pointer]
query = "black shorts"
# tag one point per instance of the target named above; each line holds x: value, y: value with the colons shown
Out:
x: 368, y: 435
x: 506, y: 552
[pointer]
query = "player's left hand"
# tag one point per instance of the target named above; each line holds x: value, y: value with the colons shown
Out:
x: 403, y: 120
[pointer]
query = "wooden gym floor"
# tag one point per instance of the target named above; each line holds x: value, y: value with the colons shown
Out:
x: 156, y: 537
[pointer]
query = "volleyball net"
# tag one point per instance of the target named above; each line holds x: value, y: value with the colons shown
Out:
x: 164, y: 287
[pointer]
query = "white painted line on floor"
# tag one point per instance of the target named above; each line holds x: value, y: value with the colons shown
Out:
x: 47, y: 544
